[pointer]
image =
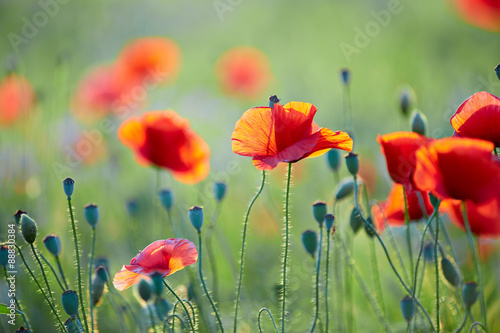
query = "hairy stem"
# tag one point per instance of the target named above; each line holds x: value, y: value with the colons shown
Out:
x: 285, y: 253
x: 318, y: 266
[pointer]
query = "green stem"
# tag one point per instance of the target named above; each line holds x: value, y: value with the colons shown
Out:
x: 91, y: 259
x: 174, y: 315
x: 151, y: 315
x: 477, y: 266
x: 129, y: 308
x: 318, y: 266
x: 78, y: 267
x: 53, y: 271
x: 59, y: 267
x: 376, y: 276
x: 43, y: 272
x: 408, y: 234
x: 436, y: 263
x: 326, y: 277
x: 339, y: 283
x: 463, y: 323
x: 118, y: 313
x: 210, y: 250
x: 174, y: 308
x: 17, y: 302
x: 200, y: 270
x: 182, y: 304
x: 285, y: 254
x: 242, y: 252
x: 270, y: 315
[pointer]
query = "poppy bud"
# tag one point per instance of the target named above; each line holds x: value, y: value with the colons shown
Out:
x: 97, y: 289
x: 101, y: 273
x: 429, y: 252
x: 4, y: 256
x: 497, y: 70
x: 132, y: 207
x: 144, y: 290
x: 17, y: 216
x: 52, y: 244
x: 434, y: 201
x: 418, y: 123
x: 196, y: 217
x: 407, y: 308
x: 344, y: 188
x: 404, y: 102
x: 157, y: 283
x: 162, y: 307
x: 450, y: 272
x: 273, y: 100
x: 91, y: 213
x: 333, y: 159
x: 352, y: 162
x: 319, y: 212
x: 329, y: 221
x: 369, y: 231
x: 73, y: 325
x: 310, y: 241
x: 166, y: 198
x: 219, y: 190
x: 22, y: 330
x: 69, y: 300
x: 101, y: 261
x: 356, y: 221
x: 28, y: 228
x: 470, y: 294
x: 69, y: 187
x: 345, y: 76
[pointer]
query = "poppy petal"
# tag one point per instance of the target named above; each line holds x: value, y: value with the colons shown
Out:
x: 125, y: 278
x: 292, y: 121
x: 183, y: 254
x: 254, y: 133
x: 131, y: 133
x: 329, y: 139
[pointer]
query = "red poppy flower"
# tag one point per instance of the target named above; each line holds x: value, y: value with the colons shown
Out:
x: 16, y: 98
x: 284, y: 134
x: 155, y: 59
x: 399, y: 150
x: 484, y: 219
x: 164, y: 139
x: 244, y: 71
x: 393, y: 209
x: 484, y: 14
x: 163, y: 256
x: 479, y: 117
x: 458, y: 168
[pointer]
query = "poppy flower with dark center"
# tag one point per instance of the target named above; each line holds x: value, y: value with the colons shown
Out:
x: 165, y: 139
x: 458, y: 168
x: 163, y: 256
x: 16, y: 98
x: 399, y: 150
x: 484, y: 14
x: 284, y: 134
x: 479, y: 117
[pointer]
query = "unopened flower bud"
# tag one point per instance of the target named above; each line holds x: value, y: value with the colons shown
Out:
x: 52, y: 244
x: 97, y: 290
x: 28, y: 229
x: 101, y: 261
x: 22, y: 330
x: 434, y: 201
x: 450, y: 272
x: 145, y: 290
x: 344, y: 189
x: 418, y: 123
x: 470, y: 294
x: 319, y: 211
x: 166, y: 198
x: 405, y: 102
x: 196, y: 217
x: 219, y: 190
x: 345, y: 76
x: 101, y: 273
x: 91, y: 213
x: 69, y: 300
x: 352, y: 162
x: 333, y: 159
x: 310, y: 242
x: 407, y: 308
x: 329, y: 221
x: 356, y: 221
x: 157, y: 280
x: 273, y: 100
x: 69, y: 187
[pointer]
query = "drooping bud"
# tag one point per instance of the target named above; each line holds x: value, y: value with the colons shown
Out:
x: 429, y: 252
x: 329, y: 221
x: 91, y: 213
x: 369, y: 231
x: 144, y: 290
x: 102, y: 274
x: 345, y: 76
x: 166, y: 198
x: 450, y: 272
x: 319, y: 212
x: 97, y: 289
x: 69, y: 187
x: 356, y: 221
x: 4, y: 255
x: 352, y: 162
x: 157, y: 281
x: 17, y: 216
x: 418, y: 123
x: 310, y: 242
x: 101, y: 261
x: 219, y: 190
x: 497, y: 71
x: 28, y: 228
x: 196, y: 217
x: 273, y: 100
x: 470, y: 294
x: 333, y: 159
x: 407, y: 308
x: 405, y: 102
x: 52, y: 244
x: 69, y: 300
x: 344, y: 189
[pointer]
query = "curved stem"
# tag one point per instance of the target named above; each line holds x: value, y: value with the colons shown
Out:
x: 408, y: 234
x: 90, y: 278
x: 119, y: 313
x: 210, y: 250
x: 116, y: 293
x: 77, y: 254
x: 463, y: 323
x: 270, y: 315
x: 326, y: 277
x: 174, y: 315
x: 205, y: 285
x: 17, y: 302
x: 285, y: 254
x: 318, y: 266
x: 242, y: 252
x: 174, y: 308
x: 436, y: 263
x: 477, y: 324
x: 182, y: 304
x: 53, y: 271
x: 59, y: 267
x: 43, y: 272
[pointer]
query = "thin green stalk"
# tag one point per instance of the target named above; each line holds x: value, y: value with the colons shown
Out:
x: 242, y: 252
x: 463, y: 323
x: 285, y: 254
x: 326, y: 278
x: 200, y: 271
x: 17, y: 302
x: 408, y: 234
x: 59, y: 267
x: 174, y: 315
x: 376, y: 276
x: 270, y: 315
x: 210, y: 250
x: 174, y: 308
x: 338, y: 283
x: 182, y: 304
x: 90, y: 278
x: 477, y: 324
x: 436, y: 263
x: 52, y: 307
x: 124, y: 301
x: 43, y: 272
x: 477, y: 266
x: 151, y: 315
x: 53, y: 271
x: 118, y: 313
x: 448, y: 239
x: 78, y: 267
x: 318, y: 266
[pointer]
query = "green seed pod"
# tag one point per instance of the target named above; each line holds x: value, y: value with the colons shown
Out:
x: 144, y: 290
x: 273, y: 100
x: 352, y: 162
x: 73, y: 325
x: 102, y: 274
x: 162, y: 307
x: 319, y: 211
x: 4, y: 255
x: 344, y: 189
x: 470, y: 294
x: 157, y: 280
x: 356, y: 221
x: 329, y: 221
x: 52, y: 244
x: 405, y: 102
x: 418, y: 123
x: 69, y: 300
x: 407, y: 308
x: 310, y: 242
x: 196, y: 217
x: 101, y: 261
x: 345, y: 76
x: 166, y: 198
x: 450, y: 272
x: 333, y: 159
x: 97, y: 290
x: 69, y: 187
x: 28, y: 229
x: 91, y: 213
x: 219, y: 190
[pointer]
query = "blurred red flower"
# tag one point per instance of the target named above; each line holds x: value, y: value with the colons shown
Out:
x: 458, y: 168
x: 479, y: 117
x: 244, y: 71
x: 16, y: 98
x: 484, y: 219
x: 164, y: 139
x: 393, y: 209
x: 163, y: 256
x: 284, y: 134
x: 399, y: 150
x: 484, y: 14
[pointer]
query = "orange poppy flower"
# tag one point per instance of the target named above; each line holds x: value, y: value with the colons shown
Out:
x: 479, y: 117
x: 393, y: 209
x: 399, y: 150
x: 16, y: 98
x: 164, y: 139
x: 458, y: 168
x: 163, y: 256
x: 284, y: 134
x: 484, y: 14
x: 244, y: 71
x: 157, y: 59
x: 484, y: 219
